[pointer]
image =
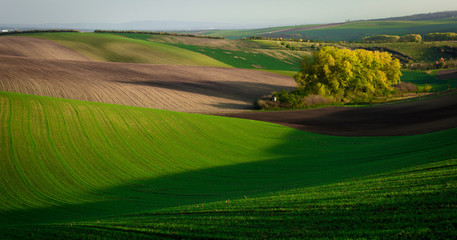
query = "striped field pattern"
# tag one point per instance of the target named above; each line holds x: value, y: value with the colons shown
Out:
x: 66, y: 161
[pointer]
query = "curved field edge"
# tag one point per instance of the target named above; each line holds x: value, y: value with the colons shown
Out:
x: 67, y: 160
x: 177, y: 88
x: 416, y: 202
x: 112, y: 48
x: 236, y: 53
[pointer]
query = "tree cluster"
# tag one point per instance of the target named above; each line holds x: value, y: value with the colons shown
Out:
x: 449, y: 36
x: 393, y: 38
x: 348, y: 74
x: 287, y: 39
x: 410, y: 38
x: 404, y: 58
x: 381, y: 39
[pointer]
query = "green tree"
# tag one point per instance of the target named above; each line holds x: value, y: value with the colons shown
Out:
x: 411, y: 38
x: 449, y: 36
x: 348, y: 73
x: 381, y: 39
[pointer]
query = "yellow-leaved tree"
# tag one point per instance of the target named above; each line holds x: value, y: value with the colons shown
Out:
x: 345, y: 73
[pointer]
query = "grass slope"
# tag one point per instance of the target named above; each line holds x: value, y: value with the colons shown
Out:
x: 112, y: 48
x: 421, y: 79
x: 66, y: 161
x: 417, y: 202
x: 250, y: 60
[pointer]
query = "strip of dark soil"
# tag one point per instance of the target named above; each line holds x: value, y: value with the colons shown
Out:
x: 417, y: 117
x: 447, y: 74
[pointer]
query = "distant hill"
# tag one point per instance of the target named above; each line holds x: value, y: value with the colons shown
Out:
x: 355, y: 30
x: 136, y: 25
x: 422, y: 17
x: 344, y: 31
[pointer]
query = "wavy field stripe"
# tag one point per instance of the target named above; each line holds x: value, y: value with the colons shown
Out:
x: 66, y: 160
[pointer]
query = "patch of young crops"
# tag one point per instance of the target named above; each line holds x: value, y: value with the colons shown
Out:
x: 421, y: 79
x: 416, y: 202
x: 247, y: 59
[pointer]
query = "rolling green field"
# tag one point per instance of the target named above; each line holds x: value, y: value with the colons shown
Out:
x: 112, y: 48
x: 353, y: 31
x: 378, y: 206
x: 421, y: 79
x: 241, y: 58
x: 69, y: 167
x: 83, y: 170
x: 250, y: 60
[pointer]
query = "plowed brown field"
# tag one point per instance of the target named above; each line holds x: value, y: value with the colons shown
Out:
x: 177, y: 88
x: 37, y: 48
x: 417, y: 117
x: 447, y: 74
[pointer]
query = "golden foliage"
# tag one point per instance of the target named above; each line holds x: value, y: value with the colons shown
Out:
x: 343, y: 72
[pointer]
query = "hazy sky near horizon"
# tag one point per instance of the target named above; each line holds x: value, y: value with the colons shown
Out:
x: 248, y: 12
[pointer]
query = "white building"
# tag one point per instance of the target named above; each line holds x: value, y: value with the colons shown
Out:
x: 4, y: 31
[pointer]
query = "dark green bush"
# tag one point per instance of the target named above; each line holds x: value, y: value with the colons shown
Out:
x: 410, y: 38
x: 449, y: 36
x: 381, y: 39
x: 293, y: 99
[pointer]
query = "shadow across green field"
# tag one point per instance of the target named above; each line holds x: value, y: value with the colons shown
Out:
x: 302, y: 160
x: 379, y: 205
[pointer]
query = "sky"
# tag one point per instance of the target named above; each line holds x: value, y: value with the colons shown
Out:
x: 236, y: 12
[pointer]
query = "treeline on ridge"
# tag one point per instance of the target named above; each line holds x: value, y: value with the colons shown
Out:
x: 288, y: 39
x: 38, y: 31
x: 393, y: 38
x: 448, y: 36
x: 429, y: 37
x: 159, y: 33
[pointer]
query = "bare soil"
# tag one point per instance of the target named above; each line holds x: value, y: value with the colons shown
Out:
x: 447, y: 74
x: 395, y: 119
x: 176, y: 88
x: 37, y: 48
